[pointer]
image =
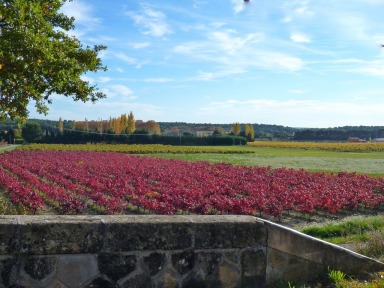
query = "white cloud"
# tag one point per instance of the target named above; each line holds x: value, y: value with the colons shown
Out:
x: 284, y: 62
x: 159, y: 80
x: 102, y: 39
x: 304, y: 11
x: 82, y: 12
x: 87, y: 78
x: 372, y: 70
x: 297, y: 91
x: 237, y: 54
x: 239, y: 5
x: 150, y: 21
x: 140, y: 45
x: 104, y: 79
x: 300, y: 38
x: 286, y: 19
x: 207, y: 76
x: 126, y: 58
x: 217, y: 24
x: 119, y: 91
x: 228, y: 43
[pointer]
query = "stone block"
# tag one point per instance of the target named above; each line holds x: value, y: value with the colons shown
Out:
x: 213, y: 235
x: 39, y: 267
x: 147, y: 232
x: 8, y: 271
x: 116, y: 266
x: 183, y: 262
x: 249, y: 234
x: 9, y: 241
x: 100, y: 282
x: 228, y: 231
x: 229, y: 275
x: 254, y: 265
x: 137, y: 281
x: 195, y: 280
x: 76, y: 270
x: 283, y: 267
x: 57, y: 284
x: 218, y: 268
x: 154, y: 262
x: 45, y: 235
x: 167, y: 279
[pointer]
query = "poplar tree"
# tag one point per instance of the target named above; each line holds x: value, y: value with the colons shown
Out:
x: 131, y: 125
x: 60, y: 126
x: 39, y: 58
x: 249, y: 132
x: 236, y: 128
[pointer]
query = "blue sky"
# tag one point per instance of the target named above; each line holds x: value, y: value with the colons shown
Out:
x: 298, y: 63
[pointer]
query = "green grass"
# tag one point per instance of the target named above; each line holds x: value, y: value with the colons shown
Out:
x: 355, y: 228
x: 313, y: 160
x: 7, y: 148
x: 363, y: 234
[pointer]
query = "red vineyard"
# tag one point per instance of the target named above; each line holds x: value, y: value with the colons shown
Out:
x: 113, y: 182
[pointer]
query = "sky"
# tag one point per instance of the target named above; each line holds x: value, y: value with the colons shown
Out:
x: 296, y: 63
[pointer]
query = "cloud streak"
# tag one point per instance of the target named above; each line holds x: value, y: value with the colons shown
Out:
x: 150, y: 21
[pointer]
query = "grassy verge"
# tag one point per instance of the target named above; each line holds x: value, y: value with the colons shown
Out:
x: 7, y: 148
x: 363, y: 234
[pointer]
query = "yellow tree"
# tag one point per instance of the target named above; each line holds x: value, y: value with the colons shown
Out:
x: 124, y: 121
x: 249, y: 132
x: 150, y: 126
x: 131, y: 125
x: 60, y: 126
x: 236, y: 128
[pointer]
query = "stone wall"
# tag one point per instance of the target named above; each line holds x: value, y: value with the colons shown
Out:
x: 162, y: 251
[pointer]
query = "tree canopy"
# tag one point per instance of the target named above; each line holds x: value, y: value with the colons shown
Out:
x: 31, y: 131
x: 39, y: 58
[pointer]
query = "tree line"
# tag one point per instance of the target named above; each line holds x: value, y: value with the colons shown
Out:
x: 339, y: 133
x: 118, y: 128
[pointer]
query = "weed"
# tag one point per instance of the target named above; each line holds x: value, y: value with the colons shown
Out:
x: 337, y: 277
x: 374, y: 246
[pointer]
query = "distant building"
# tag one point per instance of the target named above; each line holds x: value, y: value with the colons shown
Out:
x: 204, y: 133
x: 378, y: 140
x: 356, y: 140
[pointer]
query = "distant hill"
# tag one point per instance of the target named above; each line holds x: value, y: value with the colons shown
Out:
x: 182, y: 127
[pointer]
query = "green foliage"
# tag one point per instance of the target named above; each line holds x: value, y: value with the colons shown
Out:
x: 337, y: 277
x: 31, y: 131
x: 352, y: 228
x: 7, y: 208
x: 38, y: 58
x: 374, y: 245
